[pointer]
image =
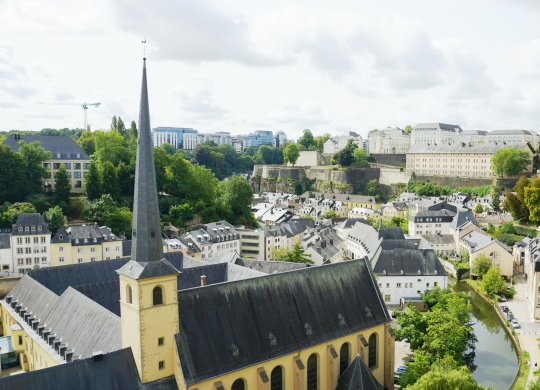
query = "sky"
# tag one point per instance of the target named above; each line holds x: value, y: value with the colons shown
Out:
x: 240, y: 65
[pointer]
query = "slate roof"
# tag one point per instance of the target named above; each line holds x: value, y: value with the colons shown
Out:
x: 504, y: 132
x: 434, y: 239
x: 391, y: 233
x: 117, y: 370
x: 474, y: 132
x: 300, y: 308
x: 437, y: 126
x: 399, y: 243
x: 358, y: 377
x: 53, y: 144
x: 269, y: 266
x: 477, y: 241
x: 223, y: 257
x: 144, y: 270
x: 463, y: 216
x: 366, y: 235
x: 5, y: 242
x: 458, y: 148
x: 340, y: 197
x: 410, y: 261
x: 29, y: 220
x: 350, y: 222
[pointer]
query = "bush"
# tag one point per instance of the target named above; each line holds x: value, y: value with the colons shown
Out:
x: 524, y: 231
x: 509, y: 239
x: 507, y: 228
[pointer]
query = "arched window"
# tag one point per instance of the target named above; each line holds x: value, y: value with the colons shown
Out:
x: 312, y: 374
x: 238, y: 385
x: 343, y: 358
x: 157, y: 296
x: 276, y: 379
x: 129, y: 297
x: 372, y: 356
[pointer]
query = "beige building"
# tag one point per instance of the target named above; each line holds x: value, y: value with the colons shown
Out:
x: 252, y: 244
x: 84, y: 244
x: 30, y: 240
x: 457, y: 160
x: 501, y: 257
x: 390, y: 140
x: 442, y: 244
x: 65, y: 151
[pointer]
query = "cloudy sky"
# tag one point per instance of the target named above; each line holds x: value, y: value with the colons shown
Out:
x: 242, y: 65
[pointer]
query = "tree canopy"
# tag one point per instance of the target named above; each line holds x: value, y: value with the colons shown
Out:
x: 291, y: 153
x: 510, y: 161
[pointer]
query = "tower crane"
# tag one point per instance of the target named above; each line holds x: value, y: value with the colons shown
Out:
x: 84, y: 106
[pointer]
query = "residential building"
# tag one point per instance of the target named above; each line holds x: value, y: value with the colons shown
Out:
x: 276, y: 216
x: 434, y: 133
x: 500, y: 254
x: 360, y: 212
x: 442, y: 244
x: 474, y: 136
x: 238, y: 143
x: 408, y: 273
x: 394, y: 210
x: 260, y: 137
x: 149, y: 310
x: 458, y: 199
x: 463, y: 223
x: 64, y: 151
x: 365, y: 143
x: 334, y: 145
x: 214, y: 237
x: 431, y: 218
x: 284, y: 235
x: 390, y: 140
x: 6, y: 255
x: 279, y: 139
x: 323, y: 245
x: 179, y: 137
x: 457, y: 159
x: 351, y: 201
x: 511, y: 137
x: 533, y: 290
x: 84, y: 244
x: 30, y: 242
x: 252, y: 243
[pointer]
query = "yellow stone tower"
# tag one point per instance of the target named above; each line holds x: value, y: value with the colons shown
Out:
x: 148, y: 282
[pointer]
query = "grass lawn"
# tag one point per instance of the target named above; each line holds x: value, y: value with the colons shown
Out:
x: 523, y: 376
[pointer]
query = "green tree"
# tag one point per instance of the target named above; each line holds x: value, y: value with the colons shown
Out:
x: 320, y: 140
x: 92, y: 183
x: 408, y: 129
x: 478, y: 209
x: 161, y: 161
x: 307, y: 139
x: 329, y: 214
x: 12, y: 213
x: 278, y: 253
x: 114, y: 123
x: 182, y: 213
x: 33, y: 157
x: 119, y: 218
x: 510, y: 161
x: 121, y: 128
x: 297, y: 255
x: 236, y: 195
x: 507, y: 228
x: 41, y: 202
x: 106, y: 212
x: 87, y: 142
x: 291, y: 153
x: 12, y: 176
x: 493, y: 282
x: 133, y: 133
x: 481, y: 265
x: 56, y: 218
x: 124, y: 179
x: 495, y: 202
x: 442, y: 378
x: 532, y: 199
x: 361, y: 158
x: 372, y: 188
x: 62, y: 186
x: 168, y: 148
x: 491, y: 229
x: 412, y: 325
x: 111, y: 146
x: 109, y: 180
x: 250, y: 151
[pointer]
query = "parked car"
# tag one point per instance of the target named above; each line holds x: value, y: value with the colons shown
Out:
x: 504, y: 308
x: 503, y: 298
x: 401, y: 369
x: 509, y: 288
x: 515, y: 324
x: 510, y: 315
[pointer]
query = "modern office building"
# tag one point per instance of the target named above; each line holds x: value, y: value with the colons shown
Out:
x: 261, y: 137
x: 64, y: 150
x: 219, y: 137
x: 179, y: 137
x: 280, y: 138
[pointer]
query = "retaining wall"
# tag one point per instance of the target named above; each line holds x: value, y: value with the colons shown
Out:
x: 6, y: 284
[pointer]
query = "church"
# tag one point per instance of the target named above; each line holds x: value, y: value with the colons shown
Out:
x: 168, y: 321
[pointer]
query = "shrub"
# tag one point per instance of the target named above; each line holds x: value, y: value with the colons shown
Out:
x: 509, y: 239
x: 524, y: 231
x: 507, y: 228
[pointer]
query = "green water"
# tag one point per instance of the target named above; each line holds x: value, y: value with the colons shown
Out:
x: 495, y: 357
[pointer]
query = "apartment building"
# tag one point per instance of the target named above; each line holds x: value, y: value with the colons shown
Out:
x: 214, y: 237
x: 279, y: 139
x: 252, y: 243
x: 458, y: 159
x: 65, y: 151
x: 187, y: 138
x: 472, y: 136
x: 390, y: 140
x: 351, y: 201
x: 85, y: 244
x: 513, y: 137
x: 334, y: 145
x: 500, y: 254
x: 30, y: 243
x: 434, y: 133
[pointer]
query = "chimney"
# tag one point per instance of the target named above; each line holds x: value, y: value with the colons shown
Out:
x: 203, y: 280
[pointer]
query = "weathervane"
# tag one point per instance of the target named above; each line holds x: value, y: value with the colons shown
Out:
x: 144, y: 48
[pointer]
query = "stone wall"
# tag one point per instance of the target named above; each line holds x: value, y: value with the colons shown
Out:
x: 395, y: 160
x: 453, y: 182
x: 309, y: 158
x: 393, y: 176
x: 6, y: 284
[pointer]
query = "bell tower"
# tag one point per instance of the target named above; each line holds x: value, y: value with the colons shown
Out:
x: 148, y: 282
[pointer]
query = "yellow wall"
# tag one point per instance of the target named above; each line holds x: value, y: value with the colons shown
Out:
x: 391, y: 211
x: 71, y: 255
x: 506, y: 259
x: 351, y: 205
x: 327, y: 380
x: 143, y: 324
x: 73, y: 180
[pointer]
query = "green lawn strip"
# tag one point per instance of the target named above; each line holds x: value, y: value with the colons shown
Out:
x: 523, y: 375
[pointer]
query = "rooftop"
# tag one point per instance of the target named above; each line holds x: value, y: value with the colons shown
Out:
x: 463, y: 148
x: 62, y: 148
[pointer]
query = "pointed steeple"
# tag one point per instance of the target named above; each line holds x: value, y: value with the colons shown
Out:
x: 146, y: 242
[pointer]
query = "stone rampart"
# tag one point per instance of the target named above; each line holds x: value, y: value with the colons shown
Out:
x: 6, y: 284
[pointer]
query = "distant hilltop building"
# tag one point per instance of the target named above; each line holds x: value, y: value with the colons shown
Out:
x: 334, y: 145
x: 280, y: 138
x: 187, y: 138
x: 391, y: 140
x: 431, y: 133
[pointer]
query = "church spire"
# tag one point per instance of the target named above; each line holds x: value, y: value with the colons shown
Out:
x: 146, y: 241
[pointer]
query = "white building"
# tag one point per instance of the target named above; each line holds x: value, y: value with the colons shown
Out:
x: 514, y: 137
x: 30, y: 242
x: 434, y: 133
x: 279, y: 139
x: 360, y: 212
x: 472, y: 136
x: 215, y: 237
x: 390, y: 140
x: 434, y: 218
x: 335, y: 144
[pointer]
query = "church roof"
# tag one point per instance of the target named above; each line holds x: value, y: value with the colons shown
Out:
x: 299, y: 308
x: 116, y: 370
x: 358, y: 377
x: 152, y: 269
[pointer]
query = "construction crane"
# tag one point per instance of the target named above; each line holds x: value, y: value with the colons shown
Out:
x: 83, y: 105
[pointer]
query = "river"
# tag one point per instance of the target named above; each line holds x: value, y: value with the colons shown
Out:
x: 496, y: 360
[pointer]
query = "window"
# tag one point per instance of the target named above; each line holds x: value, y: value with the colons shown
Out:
x: 92, y: 250
x: 43, y: 259
x: 160, y: 341
x: 76, y: 165
x: 19, y: 250
x: 107, y: 258
x: 494, y: 254
x: 43, y: 239
x: 398, y: 285
x: 387, y: 285
x: 387, y: 298
x: 435, y: 284
x: 79, y: 261
x: 427, y: 285
x: 343, y: 358
x: 20, y: 340
x: 92, y: 259
x: 86, y: 165
x: 60, y: 259
x: 276, y: 378
x: 28, y: 260
x: 20, y: 261
x: 117, y: 249
x: 60, y: 249
x: 19, y: 240
x: 67, y: 165
x: 36, y: 260
x: 5, y: 267
x: 312, y: 373
x: 56, y: 165
x: 27, y: 239
x: 238, y: 385
x: 162, y: 365
x: 157, y: 296
x: 410, y: 285
x: 372, y: 354
x: 107, y: 249
x: 79, y: 250
x: 77, y: 175
x: 129, y: 294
